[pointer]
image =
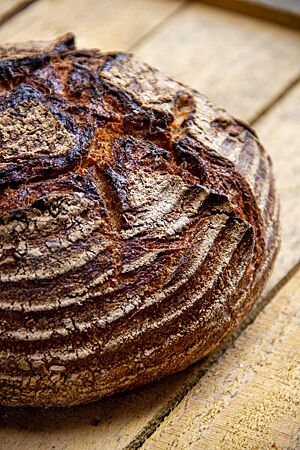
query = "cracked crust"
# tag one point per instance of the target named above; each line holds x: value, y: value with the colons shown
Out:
x: 138, y: 224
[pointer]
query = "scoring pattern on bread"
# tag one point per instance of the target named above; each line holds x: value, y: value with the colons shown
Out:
x: 138, y: 223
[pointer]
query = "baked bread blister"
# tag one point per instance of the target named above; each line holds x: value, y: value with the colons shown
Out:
x: 139, y: 223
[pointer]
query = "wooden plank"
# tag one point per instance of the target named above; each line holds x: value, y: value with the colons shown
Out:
x: 113, y: 423
x: 285, y: 12
x: 251, y: 397
x: 108, y: 424
x: 279, y: 130
x: 240, y: 62
x: 9, y: 7
x: 105, y: 24
x: 220, y: 51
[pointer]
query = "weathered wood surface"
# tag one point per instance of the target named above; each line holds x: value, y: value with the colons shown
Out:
x: 250, y: 398
x: 279, y: 131
x: 9, y: 7
x: 108, y: 25
x: 285, y: 12
x: 246, y: 74
x: 240, y: 62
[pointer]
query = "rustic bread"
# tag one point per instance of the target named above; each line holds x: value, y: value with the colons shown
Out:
x: 139, y: 223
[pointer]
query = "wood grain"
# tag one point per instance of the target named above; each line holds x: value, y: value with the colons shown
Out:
x: 250, y: 398
x: 279, y: 130
x: 240, y: 62
x: 285, y: 12
x: 109, y: 25
x: 109, y: 424
x: 9, y: 7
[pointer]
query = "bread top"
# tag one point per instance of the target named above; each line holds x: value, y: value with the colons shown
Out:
x: 124, y: 195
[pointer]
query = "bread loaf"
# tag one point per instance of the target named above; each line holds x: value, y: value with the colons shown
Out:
x: 138, y: 223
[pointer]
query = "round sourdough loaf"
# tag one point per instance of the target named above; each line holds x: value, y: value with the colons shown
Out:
x: 138, y: 223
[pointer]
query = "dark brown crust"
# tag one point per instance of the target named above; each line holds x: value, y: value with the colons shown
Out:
x: 138, y: 224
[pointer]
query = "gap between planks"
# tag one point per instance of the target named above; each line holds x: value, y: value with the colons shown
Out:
x: 267, y: 107
x: 109, y: 26
x: 283, y: 12
x: 154, y: 424
x: 275, y: 100
x: 264, y: 364
x: 10, y: 8
x: 153, y: 30
x: 239, y: 62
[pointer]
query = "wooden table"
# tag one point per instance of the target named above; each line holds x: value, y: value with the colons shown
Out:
x: 246, y: 395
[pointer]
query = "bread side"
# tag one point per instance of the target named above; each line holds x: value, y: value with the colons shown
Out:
x: 139, y: 224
